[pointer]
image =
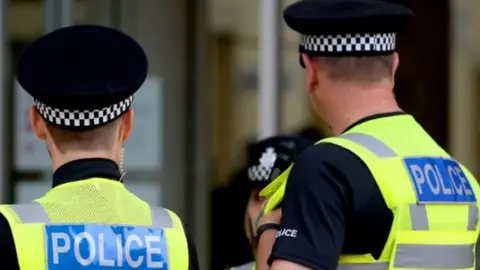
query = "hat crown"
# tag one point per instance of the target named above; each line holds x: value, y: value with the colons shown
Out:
x: 82, y: 76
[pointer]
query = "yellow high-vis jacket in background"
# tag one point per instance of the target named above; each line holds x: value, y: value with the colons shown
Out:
x: 246, y: 266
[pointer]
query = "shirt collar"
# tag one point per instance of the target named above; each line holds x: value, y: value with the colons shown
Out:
x: 82, y: 169
x: 373, y: 117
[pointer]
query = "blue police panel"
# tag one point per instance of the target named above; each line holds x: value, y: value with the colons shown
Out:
x: 89, y: 246
x: 439, y: 180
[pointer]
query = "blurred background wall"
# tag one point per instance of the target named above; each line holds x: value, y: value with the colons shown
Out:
x: 204, y: 59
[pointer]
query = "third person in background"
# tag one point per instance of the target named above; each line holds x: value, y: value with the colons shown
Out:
x: 262, y: 157
x: 381, y: 194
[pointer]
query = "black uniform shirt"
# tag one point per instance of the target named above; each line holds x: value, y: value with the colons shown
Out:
x: 332, y: 206
x: 78, y: 170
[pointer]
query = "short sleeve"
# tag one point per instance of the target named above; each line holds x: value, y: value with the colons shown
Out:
x: 315, y: 210
x: 7, y: 245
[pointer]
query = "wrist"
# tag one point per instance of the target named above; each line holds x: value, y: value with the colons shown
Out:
x: 264, y: 228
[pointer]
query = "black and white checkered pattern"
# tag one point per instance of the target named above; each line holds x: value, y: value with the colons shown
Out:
x: 259, y: 173
x: 85, y: 118
x: 349, y: 43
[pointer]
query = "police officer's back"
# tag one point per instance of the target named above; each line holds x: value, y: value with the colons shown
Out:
x: 382, y: 194
x: 83, y: 80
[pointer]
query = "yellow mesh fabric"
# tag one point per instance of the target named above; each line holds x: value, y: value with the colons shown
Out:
x: 95, y: 201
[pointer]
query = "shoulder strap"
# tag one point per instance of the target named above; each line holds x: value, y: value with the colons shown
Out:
x: 31, y: 213
x: 369, y: 142
x: 161, y: 217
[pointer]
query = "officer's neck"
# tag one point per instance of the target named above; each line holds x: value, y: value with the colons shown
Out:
x: 59, y: 159
x: 360, y: 104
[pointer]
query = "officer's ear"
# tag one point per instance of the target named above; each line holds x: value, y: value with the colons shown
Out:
x: 126, y: 124
x: 37, y: 124
x: 395, y: 63
x: 311, y: 70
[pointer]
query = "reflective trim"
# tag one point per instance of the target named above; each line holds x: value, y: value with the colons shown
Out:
x: 31, y: 213
x: 161, y: 218
x: 246, y: 266
x: 472, y: 217
x: 434, y: 256
x: 423, y: 257
x: 376, y: 146
x: 419, y: 217
x: 363, y: 266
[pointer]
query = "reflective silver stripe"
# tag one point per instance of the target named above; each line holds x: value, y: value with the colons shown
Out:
x: 246, y: 266
x: 376, y: 146
x: 434, y: 256
x: 363, y: 266
x: 423, y: 257
x: 472, y: 217
x: 419, y: 217
x: 31, y: 213
x: 161, y: 218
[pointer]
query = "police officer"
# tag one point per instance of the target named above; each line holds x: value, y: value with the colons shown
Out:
x: 263, y: 155
x: 382, y: 194
x: 83, y: 80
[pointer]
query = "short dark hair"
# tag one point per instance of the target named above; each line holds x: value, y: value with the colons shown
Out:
x: 102, y: 137
x: 367, y: 69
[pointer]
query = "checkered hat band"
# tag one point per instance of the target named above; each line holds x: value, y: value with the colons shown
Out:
x: 259, y: 173
x: 83, y: 118
x: 349, y: 43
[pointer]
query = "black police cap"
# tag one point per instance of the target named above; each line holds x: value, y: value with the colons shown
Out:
x: 347, y: 27
x: 82, y: 77
x: 264, y: 154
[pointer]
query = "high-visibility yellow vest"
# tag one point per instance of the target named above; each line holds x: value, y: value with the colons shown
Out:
x: 246, y: 266
x: 95, y: 224
x: 433, y: 198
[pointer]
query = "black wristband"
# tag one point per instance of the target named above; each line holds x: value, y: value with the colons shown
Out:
x: 263, y: 228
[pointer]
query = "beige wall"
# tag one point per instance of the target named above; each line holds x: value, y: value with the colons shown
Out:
x: 464, y: 83
x: 240, y: 18
x: 19, y: 28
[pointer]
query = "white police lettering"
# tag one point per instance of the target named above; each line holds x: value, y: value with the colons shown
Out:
x: 103, y: 260
x: 446, y: 190
x: 118, y: 239
x: 57, y: 248
x: 287, y: 233
x: 439, y: 180
x: 91, y: 248
x: 149, y: 239
x: 130, y: 240
x: 418, y: 175
x: 464, y: 181
x: 98, y: 246
x: 453, y: 174
x: 432, y: 180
